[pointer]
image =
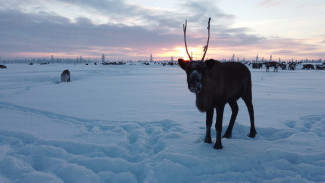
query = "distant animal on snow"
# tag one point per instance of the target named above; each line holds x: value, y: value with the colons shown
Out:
x: 292, y: 66
x: 257, y: 65
x: 308, y: 66
x: 3, y: 67
x: 320, y: 67
x: 65, y: 76
x: 283, y: 65
x: 275, y: 65
x: 215, y: 84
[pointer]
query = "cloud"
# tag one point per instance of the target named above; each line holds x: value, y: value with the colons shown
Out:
x: 126, y: 13
x: 270, y: 3
x: 131, y: 30
x: 48, y: 33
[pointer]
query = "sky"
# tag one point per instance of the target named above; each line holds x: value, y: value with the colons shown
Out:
x: 135, y: 29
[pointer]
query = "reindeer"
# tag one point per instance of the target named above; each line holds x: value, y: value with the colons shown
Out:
x: 283, y: 65
x: 215, y: 84
x: 320, y: 67
x: 308, y: 66
x: 292, y: 66
x: 65, y: 76
x: 272, y: 64
x: 257, y: 65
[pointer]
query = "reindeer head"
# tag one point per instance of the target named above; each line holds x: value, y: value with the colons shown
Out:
x: 195, y: 70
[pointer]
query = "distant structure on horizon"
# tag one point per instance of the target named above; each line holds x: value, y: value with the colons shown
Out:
x: 151, y: 58
x: 103, y: 58
x: 233, y: 58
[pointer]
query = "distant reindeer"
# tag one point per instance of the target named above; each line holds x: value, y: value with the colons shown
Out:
x: 283, y: 65
x: 308, y: 66
x: 320, y: 67
x: 292, y: 66
x: 215, y: 84
x: 65, y: 76
x: 273, y: 64
x: 257, y: 65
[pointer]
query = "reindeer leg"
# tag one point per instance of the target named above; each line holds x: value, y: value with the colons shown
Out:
x: 209, y: 117
x: 220, y: 108
x: 234, y: 109
x: 250, y: 108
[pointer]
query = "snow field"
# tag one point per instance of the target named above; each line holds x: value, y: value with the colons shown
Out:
x: 140, y: 124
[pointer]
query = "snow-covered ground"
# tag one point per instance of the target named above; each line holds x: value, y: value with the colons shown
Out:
x: 136, y: 123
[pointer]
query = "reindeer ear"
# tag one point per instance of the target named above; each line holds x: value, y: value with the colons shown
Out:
x: 183, y: 64
x: 210, y: 63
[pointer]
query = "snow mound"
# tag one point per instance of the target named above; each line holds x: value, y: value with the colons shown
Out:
x: 163, y: 151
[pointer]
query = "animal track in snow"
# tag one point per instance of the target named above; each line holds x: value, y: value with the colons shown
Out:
x: 134, y: 151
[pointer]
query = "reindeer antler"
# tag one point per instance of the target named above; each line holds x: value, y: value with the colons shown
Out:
x: 206, y: 46
x: 184, y: 30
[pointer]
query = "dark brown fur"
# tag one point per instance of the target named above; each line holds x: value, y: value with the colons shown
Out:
x: 221, y: 83
x: 308, y: 66
x: 271, y: 64
x: 65, y: 76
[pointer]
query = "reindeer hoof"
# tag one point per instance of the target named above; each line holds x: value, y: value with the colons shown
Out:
x: 227, y: 136
x: 252, y: 134
x: 218, y: 146
x: 208, y: 140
